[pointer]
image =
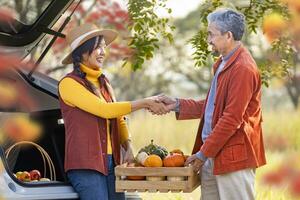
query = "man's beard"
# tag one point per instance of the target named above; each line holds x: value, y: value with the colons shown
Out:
x: 215, y: 53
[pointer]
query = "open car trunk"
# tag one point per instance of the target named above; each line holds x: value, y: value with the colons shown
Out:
x: 21, y: 35
x: 47, y: 113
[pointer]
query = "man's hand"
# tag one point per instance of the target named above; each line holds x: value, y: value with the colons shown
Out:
x: 168, y: 101
x: 195, y: 162
x: 156, y: 107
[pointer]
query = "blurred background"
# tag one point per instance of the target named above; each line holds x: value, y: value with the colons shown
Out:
x: 171, y: 70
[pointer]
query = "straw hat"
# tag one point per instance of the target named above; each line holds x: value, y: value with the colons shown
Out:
x: 78, y: 35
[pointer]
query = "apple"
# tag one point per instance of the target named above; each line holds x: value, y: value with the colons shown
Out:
x: 18, y: 175
x: 25, y: 176
x: 44, y: 179
x: 35, y: 174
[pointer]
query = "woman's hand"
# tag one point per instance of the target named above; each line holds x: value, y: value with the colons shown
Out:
x: 156, y: 107
x: 168, y: 101
x: 128, y: 157
x: 152, y: 104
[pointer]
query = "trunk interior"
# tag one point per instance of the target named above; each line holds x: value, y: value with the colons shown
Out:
x: 52, y: 140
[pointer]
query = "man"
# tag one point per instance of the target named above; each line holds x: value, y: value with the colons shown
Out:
x: 229, y: 144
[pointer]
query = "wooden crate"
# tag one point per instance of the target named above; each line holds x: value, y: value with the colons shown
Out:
x: 190, y: 181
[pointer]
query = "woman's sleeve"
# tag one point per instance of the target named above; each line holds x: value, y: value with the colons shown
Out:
x: 76, y: 95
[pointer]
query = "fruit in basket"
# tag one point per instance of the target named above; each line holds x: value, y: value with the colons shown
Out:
x: 35, y: 174
x: 153, y: 161
x: 18, y: 175
x: 135, y: 177
x: 174, y: 160
x: 155, y: 149
x: 45, y: 179
x: 141, y: 157
x: 25, y: 176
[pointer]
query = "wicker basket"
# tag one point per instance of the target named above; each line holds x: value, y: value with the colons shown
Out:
x: 45, y: 156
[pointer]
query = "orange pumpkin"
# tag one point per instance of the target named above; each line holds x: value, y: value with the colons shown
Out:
x: 177, y: 151
x: 153, y: 161
x: 174, y: 160
x: 135, y: 177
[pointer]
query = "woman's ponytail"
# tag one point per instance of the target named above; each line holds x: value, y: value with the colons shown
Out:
x: 76, y: 65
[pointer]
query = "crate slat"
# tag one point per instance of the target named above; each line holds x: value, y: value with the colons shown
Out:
x: 153, y: 171
x: 150, y: 185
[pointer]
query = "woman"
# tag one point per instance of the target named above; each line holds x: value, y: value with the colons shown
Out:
x: 94, y: 122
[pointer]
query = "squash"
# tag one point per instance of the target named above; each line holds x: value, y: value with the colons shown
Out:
x: 176, y: 178
x: 177, y: 151
x: 153, y: 161
x: 141, y: 157
x: 155, y: 178
x: 174, y: 160
x: 135, y: 177
x: 155, y: 149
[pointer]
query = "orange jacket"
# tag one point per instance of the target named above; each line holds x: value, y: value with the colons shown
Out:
x: 236, y: 140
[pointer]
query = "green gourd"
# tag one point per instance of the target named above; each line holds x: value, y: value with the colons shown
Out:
x: 155, y: 149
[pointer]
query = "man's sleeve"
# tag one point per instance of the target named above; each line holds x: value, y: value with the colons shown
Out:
x: 190, y: 109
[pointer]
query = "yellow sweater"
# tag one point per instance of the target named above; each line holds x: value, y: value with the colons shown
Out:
x: 76, y: 95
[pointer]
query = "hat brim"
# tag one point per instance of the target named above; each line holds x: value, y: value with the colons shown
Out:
x: 108, y: 35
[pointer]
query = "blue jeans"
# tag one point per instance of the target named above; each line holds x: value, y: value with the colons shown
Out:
x: 93, y: 185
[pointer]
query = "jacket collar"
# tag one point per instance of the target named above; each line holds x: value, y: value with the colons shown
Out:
x: 230, y: 61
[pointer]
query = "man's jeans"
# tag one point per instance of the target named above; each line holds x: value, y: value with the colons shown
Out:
x: 92, y: 185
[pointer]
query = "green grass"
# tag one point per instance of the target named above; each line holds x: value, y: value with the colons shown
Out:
x: 170, y: 133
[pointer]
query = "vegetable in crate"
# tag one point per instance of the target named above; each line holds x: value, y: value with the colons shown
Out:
x: 153, y: 161
x: 135, y: 177
x: 155, y: 149
x: 141, y: 157
x: 174, y: 160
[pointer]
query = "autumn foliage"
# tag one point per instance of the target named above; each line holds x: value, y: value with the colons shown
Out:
x: 7, y: 14
x: 105, y: 14
x: 286, y: 174
x: 275, y: 25
x: 21, y: 128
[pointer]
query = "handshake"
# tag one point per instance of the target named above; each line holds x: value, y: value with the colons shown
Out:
x: 160, y: 105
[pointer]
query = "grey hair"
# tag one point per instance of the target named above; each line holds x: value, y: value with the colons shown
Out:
x: 228, y: 20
